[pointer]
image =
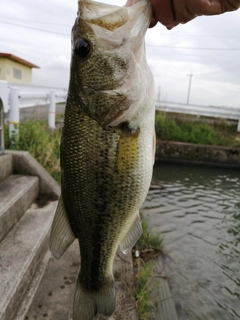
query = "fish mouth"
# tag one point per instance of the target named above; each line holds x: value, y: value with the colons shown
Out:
x: 114, y: 26
x: 108, y: 16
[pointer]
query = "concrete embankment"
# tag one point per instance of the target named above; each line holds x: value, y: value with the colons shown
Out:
x: 187, y: 153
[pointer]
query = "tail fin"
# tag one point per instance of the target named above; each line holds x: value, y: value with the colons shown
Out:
x: 88, y: 304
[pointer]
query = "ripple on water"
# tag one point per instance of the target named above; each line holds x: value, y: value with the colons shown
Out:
x: 197, y: 210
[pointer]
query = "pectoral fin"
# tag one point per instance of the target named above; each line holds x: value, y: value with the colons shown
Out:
x: 61, y: 234
x: 132, y: 236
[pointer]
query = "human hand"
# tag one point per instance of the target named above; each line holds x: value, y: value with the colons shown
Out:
x: 172, y: 12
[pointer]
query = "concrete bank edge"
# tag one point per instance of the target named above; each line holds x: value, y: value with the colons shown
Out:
x: 188, y: 153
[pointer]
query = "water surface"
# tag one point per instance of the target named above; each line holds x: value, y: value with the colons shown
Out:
x: 197, y: 211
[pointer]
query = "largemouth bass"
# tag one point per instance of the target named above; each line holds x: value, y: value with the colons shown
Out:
x: 107, y: 147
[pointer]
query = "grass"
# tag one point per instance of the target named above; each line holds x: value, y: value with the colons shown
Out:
x: 149, y: 241
x: 145, y: 250
x: 219, y: 133
x: 144, y: 290
x: 40, y: 142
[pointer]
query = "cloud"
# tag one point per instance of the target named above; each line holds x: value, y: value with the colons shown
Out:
x: 54, y: 73
x: 172, y: 55
x: 59, y: 64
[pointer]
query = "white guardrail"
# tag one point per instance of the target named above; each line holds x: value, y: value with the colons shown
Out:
x: 13, y: 97
x: 208, y: 111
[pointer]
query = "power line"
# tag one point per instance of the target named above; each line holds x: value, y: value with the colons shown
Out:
x: 148, y: 45
x: 192, y: 48
x: 32, y: 28
x: 215, y: 72
x: 199, y: 36
x: 38, y: 21
x: 170, y: 34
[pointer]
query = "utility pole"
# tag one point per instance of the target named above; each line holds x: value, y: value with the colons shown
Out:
x: 159, y: 94
x: 189, y: 86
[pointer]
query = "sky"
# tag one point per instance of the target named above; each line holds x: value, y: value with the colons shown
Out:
x: 208, y: 48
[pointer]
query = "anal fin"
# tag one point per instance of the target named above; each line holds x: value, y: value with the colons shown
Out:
x: 61, y: 234
x: 132, y: 236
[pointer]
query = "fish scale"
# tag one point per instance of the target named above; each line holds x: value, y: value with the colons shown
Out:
x: 102, y: 181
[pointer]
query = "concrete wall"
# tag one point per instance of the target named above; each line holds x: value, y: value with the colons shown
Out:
x: 16, y: 72
x: 23, y: 163
x: 178, y: 152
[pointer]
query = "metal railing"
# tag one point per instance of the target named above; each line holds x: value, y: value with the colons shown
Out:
x: 208, y: 111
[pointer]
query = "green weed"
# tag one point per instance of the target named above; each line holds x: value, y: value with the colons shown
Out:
x: 40, y: 142
x: 149, y: 240
x: 145, y: 250
x: 144, y: 290
x: 219, y: 133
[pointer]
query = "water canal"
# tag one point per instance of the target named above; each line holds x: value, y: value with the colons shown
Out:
x: 197, y: 211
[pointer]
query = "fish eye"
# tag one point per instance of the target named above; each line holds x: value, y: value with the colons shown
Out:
x: 82, y: 47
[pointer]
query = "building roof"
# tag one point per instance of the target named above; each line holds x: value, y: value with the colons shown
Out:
x: 17, y: 59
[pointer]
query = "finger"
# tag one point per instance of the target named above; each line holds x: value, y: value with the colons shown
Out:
x: 229, y: 5
x: 186, y: 11
x: 163, y: 12
x: 153, y: 22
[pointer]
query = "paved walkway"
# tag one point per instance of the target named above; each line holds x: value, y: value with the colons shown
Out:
x: 54, y: 296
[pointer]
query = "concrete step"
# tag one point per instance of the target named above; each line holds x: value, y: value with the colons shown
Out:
x: 20, y: 255
x: 17, y: 193
x: 6, y: 165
